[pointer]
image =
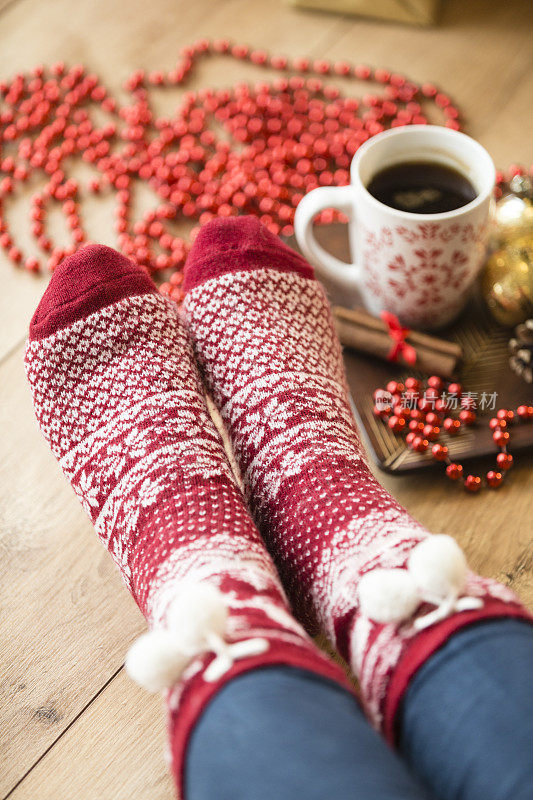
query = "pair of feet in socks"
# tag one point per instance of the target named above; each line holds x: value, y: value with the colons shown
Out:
x: 114, y: 369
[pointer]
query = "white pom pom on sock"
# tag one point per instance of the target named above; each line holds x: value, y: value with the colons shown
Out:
x: 438, y: 566
x: 155, y: 662
x: 388, y: 595
x: 197, y: 611
x: 196, y: 623
x: 436, y: 573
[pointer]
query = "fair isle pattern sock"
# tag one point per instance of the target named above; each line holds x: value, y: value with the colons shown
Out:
x: 118, y: 397
x: 265, y: 340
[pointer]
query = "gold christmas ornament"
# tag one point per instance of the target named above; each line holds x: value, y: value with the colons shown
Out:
x: 513, y: 217
x: 507, y: 282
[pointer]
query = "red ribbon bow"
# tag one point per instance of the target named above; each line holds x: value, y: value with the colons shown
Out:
x: 398, y: 334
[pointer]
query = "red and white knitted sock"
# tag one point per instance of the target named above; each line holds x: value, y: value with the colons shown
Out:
x: 118, y: 397
x: 386, y: 592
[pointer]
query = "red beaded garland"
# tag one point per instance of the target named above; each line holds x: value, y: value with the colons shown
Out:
x: 396, y: 424
x: 452, y: 426
x: 420, y: 444
x: 504, y: 460
x: 412, y: 384
x: 467, y: 416
x: 434, y: 382
x: 501, y: 437
x: 440, y: 452
x: 473, y: 483
x: 454, y: 471
x: 496, y: 423
x: 431, y: 432
x: 494, y: 479
x: 423, y: 425
x: 455, y: 389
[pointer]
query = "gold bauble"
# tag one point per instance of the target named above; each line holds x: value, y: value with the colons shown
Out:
x: 507, y: 281
x: 513, y: 217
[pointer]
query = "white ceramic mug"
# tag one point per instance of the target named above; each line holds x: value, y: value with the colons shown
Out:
x: 417, y: 266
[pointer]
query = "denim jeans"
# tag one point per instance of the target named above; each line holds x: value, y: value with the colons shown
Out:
x: 466, y: 731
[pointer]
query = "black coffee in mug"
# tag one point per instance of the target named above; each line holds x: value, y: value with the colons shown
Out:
x: 422, y: 187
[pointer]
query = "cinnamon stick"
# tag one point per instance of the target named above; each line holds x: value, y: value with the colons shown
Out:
x: 361, y: 331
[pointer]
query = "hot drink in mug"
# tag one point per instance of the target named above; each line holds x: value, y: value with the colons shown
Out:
x: 418, y: 207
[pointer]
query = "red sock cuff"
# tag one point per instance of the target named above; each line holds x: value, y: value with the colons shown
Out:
x: 92, y: 278
x: 233, y: 244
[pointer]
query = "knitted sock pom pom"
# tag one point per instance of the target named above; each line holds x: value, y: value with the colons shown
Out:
x: 196, y: 622
x: 436, y: 573
x: 388, y: 595
x: 156, y: 661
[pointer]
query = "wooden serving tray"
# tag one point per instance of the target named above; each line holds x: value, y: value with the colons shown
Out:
x: 485, y: 368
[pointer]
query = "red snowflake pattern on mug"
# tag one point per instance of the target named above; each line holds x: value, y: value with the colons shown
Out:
x: 423, y: 271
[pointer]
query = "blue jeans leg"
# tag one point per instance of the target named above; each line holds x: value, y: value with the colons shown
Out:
x: 467, y: 722
x: 286, y: 734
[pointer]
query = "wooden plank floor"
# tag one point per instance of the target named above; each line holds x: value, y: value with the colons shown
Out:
x: 71, y: 723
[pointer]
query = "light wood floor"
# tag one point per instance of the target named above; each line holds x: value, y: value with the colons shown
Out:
x: 71, y: 723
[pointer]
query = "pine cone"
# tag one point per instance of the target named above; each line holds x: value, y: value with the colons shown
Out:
x: 521, y: 347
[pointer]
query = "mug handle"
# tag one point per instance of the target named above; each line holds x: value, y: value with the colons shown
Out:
x: 345, y: 275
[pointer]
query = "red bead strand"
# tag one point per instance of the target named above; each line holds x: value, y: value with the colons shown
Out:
x: 422, y: 425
